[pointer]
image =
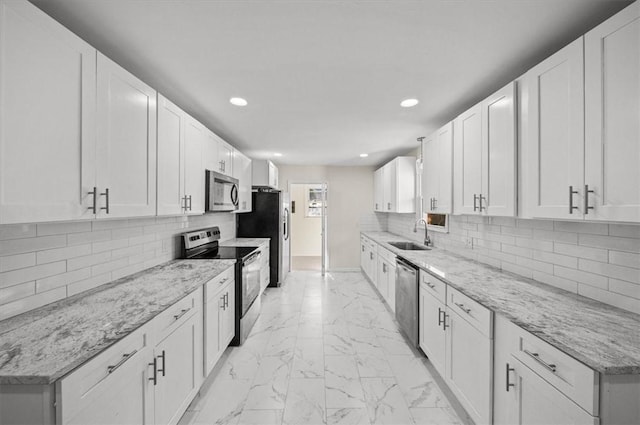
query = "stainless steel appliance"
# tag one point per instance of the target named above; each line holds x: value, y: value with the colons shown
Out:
x: 221, y: 192
x: 203, y: 245
x: 407, y: 299
x: 270, y: 218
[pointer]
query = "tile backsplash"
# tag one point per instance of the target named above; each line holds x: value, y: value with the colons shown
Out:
x: 597, y: 260
x: 44, y: 262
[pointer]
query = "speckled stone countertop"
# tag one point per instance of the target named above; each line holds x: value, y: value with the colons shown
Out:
x: 245, y: 242
x: 603, y: 337
x: 41, y: 346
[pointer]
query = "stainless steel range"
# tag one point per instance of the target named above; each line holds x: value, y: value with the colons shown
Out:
x: 203, y: 245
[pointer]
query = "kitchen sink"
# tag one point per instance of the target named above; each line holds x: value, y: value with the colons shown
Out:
x: 409, y: 246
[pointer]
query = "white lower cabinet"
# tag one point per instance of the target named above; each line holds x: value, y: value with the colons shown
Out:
x: 431, y: 329
x: 369, y: 259
x: 386, y: 275
x: 219, y: 313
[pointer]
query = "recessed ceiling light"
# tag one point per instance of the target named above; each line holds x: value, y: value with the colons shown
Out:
x: 408, y: 103
x: 238, y: 101
x: 364, y: 155
x: 277, y: 154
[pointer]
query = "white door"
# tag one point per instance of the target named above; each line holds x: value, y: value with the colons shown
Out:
x: 538, y: 402
x: 171, y: 120
x: 176, y: 372
x: 469, y: 367
x: 612, y: 102
x: 468, y: 161
x: 378, y: 190
x: 47, y: 117
x: 556, y: 134
x: 432, y: 331
x: 499, y: 153
x: 126, y: 142
x: 194, y: 175
x: 444, y: 198
x: 430, y: 175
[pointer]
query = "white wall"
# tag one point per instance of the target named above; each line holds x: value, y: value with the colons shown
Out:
x: 350, y: 197
x: 44, y: 262
x: 306, y: 232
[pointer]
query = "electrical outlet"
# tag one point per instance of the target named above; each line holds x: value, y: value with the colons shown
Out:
x: 469, y: 242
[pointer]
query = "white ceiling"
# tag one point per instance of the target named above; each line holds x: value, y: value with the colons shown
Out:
x: 323, y: 78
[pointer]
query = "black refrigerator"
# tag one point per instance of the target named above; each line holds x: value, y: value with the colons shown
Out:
x: 269, y: 218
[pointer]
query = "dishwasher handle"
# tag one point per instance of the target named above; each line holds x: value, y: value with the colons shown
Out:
x: 406, y: 266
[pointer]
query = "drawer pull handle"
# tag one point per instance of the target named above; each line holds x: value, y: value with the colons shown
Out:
x: 463, y: 308
x: 182, y: 313
x: 430, y: 285
x: 536, y: 357
x: 223, y: 281
x: 125, y: 357
x: 509, y: 384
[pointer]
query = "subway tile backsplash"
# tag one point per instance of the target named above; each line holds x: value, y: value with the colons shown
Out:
x: 44, y: 262
x: 597, y: 260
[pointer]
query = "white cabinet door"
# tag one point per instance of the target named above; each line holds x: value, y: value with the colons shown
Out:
x: 178, y: 370
x: 171, y: 123
x: 378, y: 190
x: 242, y: 172
x: 499, y: 153
x: 225, y: 157
x: 194, y: 175
x: 430, y: 176
x: 213, y: 306
x: 391, y: 285
x: 432, y: 331
x: 47, y: 117
x: 227, y: 319
x: 444, y: 141
x: 210, y: 160
x: 126, y: 142
x: 273, y: 175
x: 382, y: 279
x: 389, y: 187
x: 538, y: 402
x: 612, y: 102
x: 468, y: 160
x: 469, y: 358
x: 556, y: 134
x: 505, y: 395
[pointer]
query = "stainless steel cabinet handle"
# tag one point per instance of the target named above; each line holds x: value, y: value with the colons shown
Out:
x: 444, y: 321
x: 222, y: 306
x: 371, y: 255
x: 586, y: 199
x: 384, y: 268
x: 536, y: 357
x: 435, y: 203
x: 440, y: 320
x: 389, y: 206
x: 509, y: 385
x: 430, y: 285
x: 182, y: 313
x: 94, y: 204
x: 226, y: 300
x: 189, y: 202
x: 481, y: 198
x: 362, y: 248
x: 376, y: 206
x: 125, y: 357
x: 463, y: 308
x: 106, y: 195
x: 571, y: 193
x: 475, y: 199
x: 154, y: 378
x: 164, y: 362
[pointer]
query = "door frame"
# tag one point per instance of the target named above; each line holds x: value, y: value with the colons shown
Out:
x: 324, y: 235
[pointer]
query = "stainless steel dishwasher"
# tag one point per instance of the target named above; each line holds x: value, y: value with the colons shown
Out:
x: 407, y: 299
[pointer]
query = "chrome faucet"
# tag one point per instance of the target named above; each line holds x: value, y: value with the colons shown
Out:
x: 427, y: 239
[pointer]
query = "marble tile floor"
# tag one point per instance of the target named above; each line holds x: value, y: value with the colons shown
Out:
x: 325, y: 350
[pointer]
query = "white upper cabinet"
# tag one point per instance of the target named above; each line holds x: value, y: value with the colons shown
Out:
x: 389, y: 182
x: 378, y: 190
x: 195, y: 138
x: 612, y: 111
x: 498, y: 196
x: 47, y: 117
x: 171, y: 126
x: 437, y: 153
x: 225, y: 157
x: 555, y: 141
x: 126, y: 142
x: 242, y: 172
x: 265, y: 173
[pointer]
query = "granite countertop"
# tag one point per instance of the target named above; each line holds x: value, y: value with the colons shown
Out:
x: 41, y: 346
x: 257, y: 242
x: 605, y: 338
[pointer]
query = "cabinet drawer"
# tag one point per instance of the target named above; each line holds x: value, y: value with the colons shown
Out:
x: 98, y: 378
x: 473, y: 312
x: 387, y: 255
x: 575, y: 380
x: 434, y: 286
x: 212, y: 287
x: 177, y: 314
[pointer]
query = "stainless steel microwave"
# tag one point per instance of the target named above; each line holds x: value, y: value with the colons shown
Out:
x: 221, y: 192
